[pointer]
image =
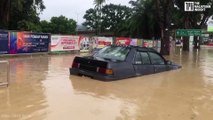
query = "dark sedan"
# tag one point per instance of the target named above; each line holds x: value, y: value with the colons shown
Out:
x: 119, y: 62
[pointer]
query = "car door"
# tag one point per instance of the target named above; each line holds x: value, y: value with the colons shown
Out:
x: 142, y: 63
x: 158, y: 61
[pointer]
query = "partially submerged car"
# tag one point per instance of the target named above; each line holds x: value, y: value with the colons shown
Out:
x: 118, y: 62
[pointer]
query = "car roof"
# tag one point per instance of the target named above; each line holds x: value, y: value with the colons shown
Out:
x: 137, y: 48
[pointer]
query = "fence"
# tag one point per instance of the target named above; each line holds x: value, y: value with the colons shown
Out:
x: 15, y: 43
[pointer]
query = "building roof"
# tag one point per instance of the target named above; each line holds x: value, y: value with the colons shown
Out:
x: 81, y: 28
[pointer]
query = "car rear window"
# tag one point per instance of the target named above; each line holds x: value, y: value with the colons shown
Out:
x: 113, y: 53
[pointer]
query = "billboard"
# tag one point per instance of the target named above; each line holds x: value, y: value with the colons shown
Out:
x: 64, y: 43
x: 148, y: 43
x: 85, y: 43
x: 140, y: 42
x: 4, y: 48
x: 21, y: 42
x: 210, y: 26
x: 122, y: 41
x: 103, y: 41
x: 13, y: 42
x: 134, y: 42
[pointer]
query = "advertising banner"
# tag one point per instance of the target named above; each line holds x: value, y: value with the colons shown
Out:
x: 140, y: 42
x: 21, y: 42
x: 4, y: 48
x: 134, y: 42
x: 148, y: 43
x: 103, y: 41
x: 13, y: 43
x: 210, y: 26
x: 64, y: 43
x: 94, y: 41
x: 122, y: 41
x: 85, y: 43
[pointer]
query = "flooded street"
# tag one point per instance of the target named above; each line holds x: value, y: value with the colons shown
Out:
x: 41, y: 89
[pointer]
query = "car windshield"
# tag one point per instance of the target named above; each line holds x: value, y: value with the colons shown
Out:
x: 113, y: 53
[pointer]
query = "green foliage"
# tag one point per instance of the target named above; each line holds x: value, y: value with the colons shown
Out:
x: 20, y: 14
x: 28, y: 26
x: 146, y: 18
x: 99, y: 2
x: 144, y: 22
x: 26, y: 10
x: 113, y: 18
x: 59, y: 25
x: 4, y: 13
x: 24, y: 15
x: 46, y: 26
x: 98, y: 8
x: 91, y: 19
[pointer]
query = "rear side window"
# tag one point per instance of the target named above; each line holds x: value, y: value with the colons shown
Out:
x: 138, y: 59
x: 142, y: 58
x: 156, y: 59
x: 145, y: 58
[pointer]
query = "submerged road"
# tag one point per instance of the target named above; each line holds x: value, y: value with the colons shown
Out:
x: 41, y: 89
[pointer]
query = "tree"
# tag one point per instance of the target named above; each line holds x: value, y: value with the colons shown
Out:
x: 4, y: 13
x: 91, y: 19
x: 99, y: 2
x: 113, y: 18
x: 28, y: 26
x: 15, y: 13
x: 152, y: 18
x: 45, y: 26
x: 28, y: 10
x: 143, y: 22
x: 59, y: 25
x: 98, y: 7
x: 164, y: 8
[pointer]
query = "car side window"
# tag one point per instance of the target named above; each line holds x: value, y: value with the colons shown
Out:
x: 142, y: 58
x: 156, y: 59
x: 145, y: 58
x: 138, y: 59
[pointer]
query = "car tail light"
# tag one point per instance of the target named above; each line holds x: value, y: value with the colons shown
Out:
x: 75, y: 65
x: 105, y: 71
x: 109, y: 71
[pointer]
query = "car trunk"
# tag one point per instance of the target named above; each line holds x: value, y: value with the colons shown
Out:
x: 90, y: 64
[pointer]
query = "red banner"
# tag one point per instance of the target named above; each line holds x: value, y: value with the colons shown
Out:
x: 122, y: 41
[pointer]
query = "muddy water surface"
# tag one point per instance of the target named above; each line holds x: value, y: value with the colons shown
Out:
x: 41, y: 89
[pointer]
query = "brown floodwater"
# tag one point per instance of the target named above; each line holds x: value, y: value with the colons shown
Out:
x: 42, y: 89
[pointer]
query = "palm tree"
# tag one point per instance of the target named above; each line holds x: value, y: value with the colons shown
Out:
x: 99, y: 2
x: 98, y: 6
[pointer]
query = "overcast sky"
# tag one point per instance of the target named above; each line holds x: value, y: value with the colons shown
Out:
x: 74, y: 9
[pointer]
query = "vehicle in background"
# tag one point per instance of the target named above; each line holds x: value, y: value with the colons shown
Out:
x: 179, y: 43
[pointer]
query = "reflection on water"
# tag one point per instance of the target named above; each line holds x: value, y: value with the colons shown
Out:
x: 104, y: 99
x: 41, y: 89
x: 24, y: 98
